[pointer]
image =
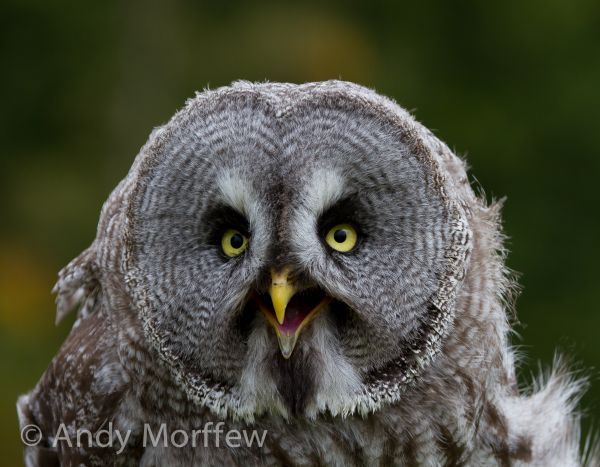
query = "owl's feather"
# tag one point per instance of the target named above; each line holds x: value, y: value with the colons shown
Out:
x: 409, y: 364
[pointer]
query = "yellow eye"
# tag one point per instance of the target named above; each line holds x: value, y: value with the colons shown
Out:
x: 234, y: 242
x: 342, y: 237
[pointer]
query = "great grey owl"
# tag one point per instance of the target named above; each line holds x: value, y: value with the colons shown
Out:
x: 306, y: 263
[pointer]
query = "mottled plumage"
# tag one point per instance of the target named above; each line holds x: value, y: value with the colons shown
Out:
x: 407, y: 360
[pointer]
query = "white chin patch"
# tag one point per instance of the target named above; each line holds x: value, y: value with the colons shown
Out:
x: 339, y: 383
x: 257, y: 389
x: 336, y: 387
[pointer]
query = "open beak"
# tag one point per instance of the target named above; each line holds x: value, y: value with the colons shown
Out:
x: 290, y: 310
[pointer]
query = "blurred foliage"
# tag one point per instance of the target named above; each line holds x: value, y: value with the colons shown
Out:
x: 514, y: 86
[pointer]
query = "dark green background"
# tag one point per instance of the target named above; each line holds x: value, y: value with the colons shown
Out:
x: 512, y: 85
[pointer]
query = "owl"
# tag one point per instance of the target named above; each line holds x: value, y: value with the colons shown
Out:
x: 308, y: 265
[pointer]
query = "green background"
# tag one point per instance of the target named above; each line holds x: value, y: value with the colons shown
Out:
x: 512, y: 85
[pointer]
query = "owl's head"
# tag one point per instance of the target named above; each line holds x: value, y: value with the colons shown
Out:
x: 292, y: 248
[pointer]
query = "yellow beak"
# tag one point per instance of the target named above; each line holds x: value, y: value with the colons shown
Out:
x: 281, y: 292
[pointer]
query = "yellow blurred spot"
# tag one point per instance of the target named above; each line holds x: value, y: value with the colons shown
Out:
x: 302, y: 43
x: 25, y: 284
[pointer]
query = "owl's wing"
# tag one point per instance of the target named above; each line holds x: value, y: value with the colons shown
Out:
x: 85, y: 387
x: 77, y: 284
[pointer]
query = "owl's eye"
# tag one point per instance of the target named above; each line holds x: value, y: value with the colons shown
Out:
x: 234, y: 242
x: 342, y: 237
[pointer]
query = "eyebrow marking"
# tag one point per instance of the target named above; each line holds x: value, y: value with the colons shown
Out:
x: 326, y: 188
x: 323, y: 191
x: 235, y: 193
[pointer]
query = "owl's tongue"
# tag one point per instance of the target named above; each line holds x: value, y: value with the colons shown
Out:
x: 298, y: 309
